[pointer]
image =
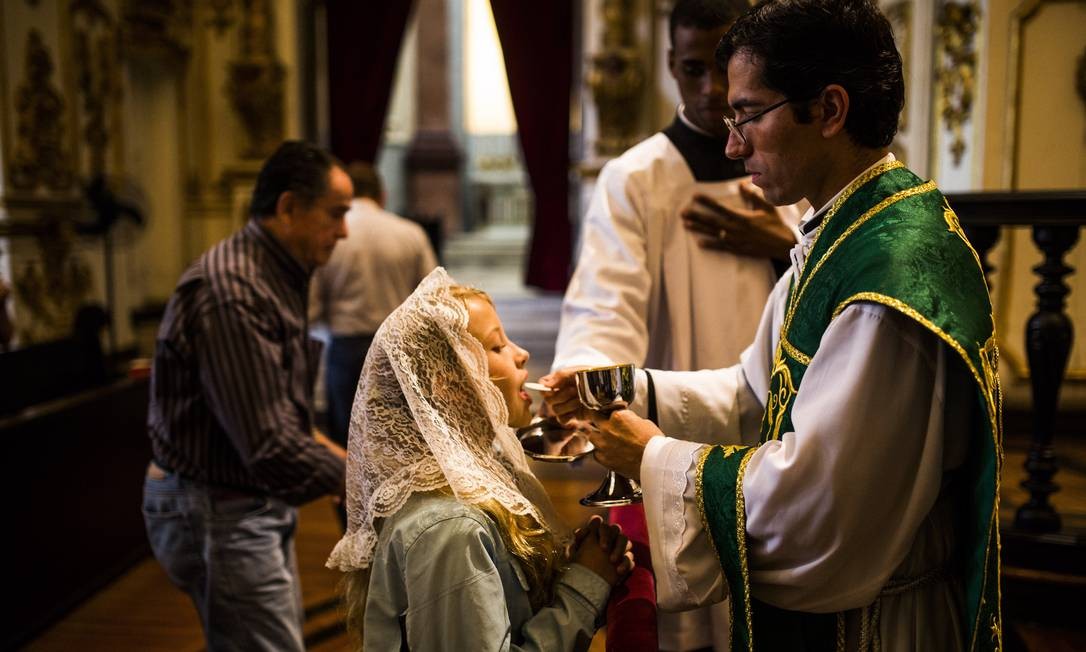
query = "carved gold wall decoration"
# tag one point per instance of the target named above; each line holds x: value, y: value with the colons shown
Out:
x: 900, y: 15
x: 221, y: 15
x: 97, y: 74
x: 616, y: 80
x: 257, y: 80
x: 157, y: 28
x: 49, y: 291
x: 956, y: 65
x: 39, y: 156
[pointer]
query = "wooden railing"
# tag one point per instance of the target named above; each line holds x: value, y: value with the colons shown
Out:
x: 1056, y: 218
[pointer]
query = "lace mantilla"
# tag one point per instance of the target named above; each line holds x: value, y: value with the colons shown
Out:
x: 426, y: 416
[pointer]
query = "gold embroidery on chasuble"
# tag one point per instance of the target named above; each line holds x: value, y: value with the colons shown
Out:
x: 952, y: 222
x: 955, y: 227
x: 989, y: 369
x: 731, y: 449
x: 781, y: 392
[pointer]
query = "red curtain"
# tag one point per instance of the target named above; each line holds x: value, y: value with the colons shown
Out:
x: 537, y: 43
x: 363, y: 45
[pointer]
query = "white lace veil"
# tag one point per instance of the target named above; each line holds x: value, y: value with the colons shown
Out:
x: 425, y: 416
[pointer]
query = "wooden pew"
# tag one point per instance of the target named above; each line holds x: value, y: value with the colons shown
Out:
x: 72, y: 476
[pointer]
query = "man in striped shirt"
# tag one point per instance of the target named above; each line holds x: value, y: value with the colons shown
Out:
x: 230, y: 415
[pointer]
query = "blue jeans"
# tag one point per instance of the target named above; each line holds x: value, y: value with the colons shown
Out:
x: 346, y: 355
x: 234, y: 555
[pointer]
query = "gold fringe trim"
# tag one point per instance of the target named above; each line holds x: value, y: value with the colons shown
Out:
x: 699, y: 493
x: 853, y: 187
x: 741, y: 537
x: 795, y: 353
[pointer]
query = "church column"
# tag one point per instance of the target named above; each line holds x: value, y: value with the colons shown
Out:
x: 433, y: 157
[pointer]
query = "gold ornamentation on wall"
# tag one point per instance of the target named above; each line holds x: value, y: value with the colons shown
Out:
x: 900, y: 15
x: 617, y: 80
x: 39, y: 156
x: 257, y: 79
x: 158, y: 28
x: 51, y: 289
x: 97, y: 75
x: 956, y: 65
x: 221, y: 15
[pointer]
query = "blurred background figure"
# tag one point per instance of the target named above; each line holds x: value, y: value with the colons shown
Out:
x: 230, y: 419
x: 369, y: 274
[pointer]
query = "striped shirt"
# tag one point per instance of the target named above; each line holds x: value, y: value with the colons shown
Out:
x: 232, y: 381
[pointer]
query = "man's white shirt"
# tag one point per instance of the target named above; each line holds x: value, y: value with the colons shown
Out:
x: 371, y: 271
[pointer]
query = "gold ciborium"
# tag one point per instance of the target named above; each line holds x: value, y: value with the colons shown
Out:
x: 606, y: 389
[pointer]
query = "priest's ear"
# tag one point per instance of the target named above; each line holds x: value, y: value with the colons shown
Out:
x: 831, y: 110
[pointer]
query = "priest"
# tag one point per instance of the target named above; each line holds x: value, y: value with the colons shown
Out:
x: 849, y: 500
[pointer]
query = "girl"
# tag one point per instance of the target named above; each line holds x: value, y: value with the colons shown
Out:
x: 452, y: 542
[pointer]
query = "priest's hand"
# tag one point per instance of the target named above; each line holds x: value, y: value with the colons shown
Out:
x: 562, y: 400
x: 758, y: 230
x: 620, y: 439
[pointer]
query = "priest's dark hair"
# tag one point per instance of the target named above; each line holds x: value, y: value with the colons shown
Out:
x: 296, y: 166
x: 704, y: 14
x: 805, y: 45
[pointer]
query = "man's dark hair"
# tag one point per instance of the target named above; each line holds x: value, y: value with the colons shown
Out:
x: 805, y: 45
x: 296, y: 166
x: 367, y: 183
x: 704, y: 14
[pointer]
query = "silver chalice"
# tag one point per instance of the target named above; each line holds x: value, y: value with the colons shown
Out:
x: 606, y: 389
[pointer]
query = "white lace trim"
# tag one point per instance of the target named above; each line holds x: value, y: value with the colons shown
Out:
x: 675, y: 490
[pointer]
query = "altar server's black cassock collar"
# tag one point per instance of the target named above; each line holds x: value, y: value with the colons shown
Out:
x: 704, y: 154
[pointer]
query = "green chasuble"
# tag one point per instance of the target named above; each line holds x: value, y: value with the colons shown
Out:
x: 890, y: 239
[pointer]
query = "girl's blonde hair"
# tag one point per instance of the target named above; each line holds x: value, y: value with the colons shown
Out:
x: 465, y: 292
x: 536, y: 548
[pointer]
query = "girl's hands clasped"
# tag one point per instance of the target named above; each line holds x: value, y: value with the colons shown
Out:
x: 603, y: 549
